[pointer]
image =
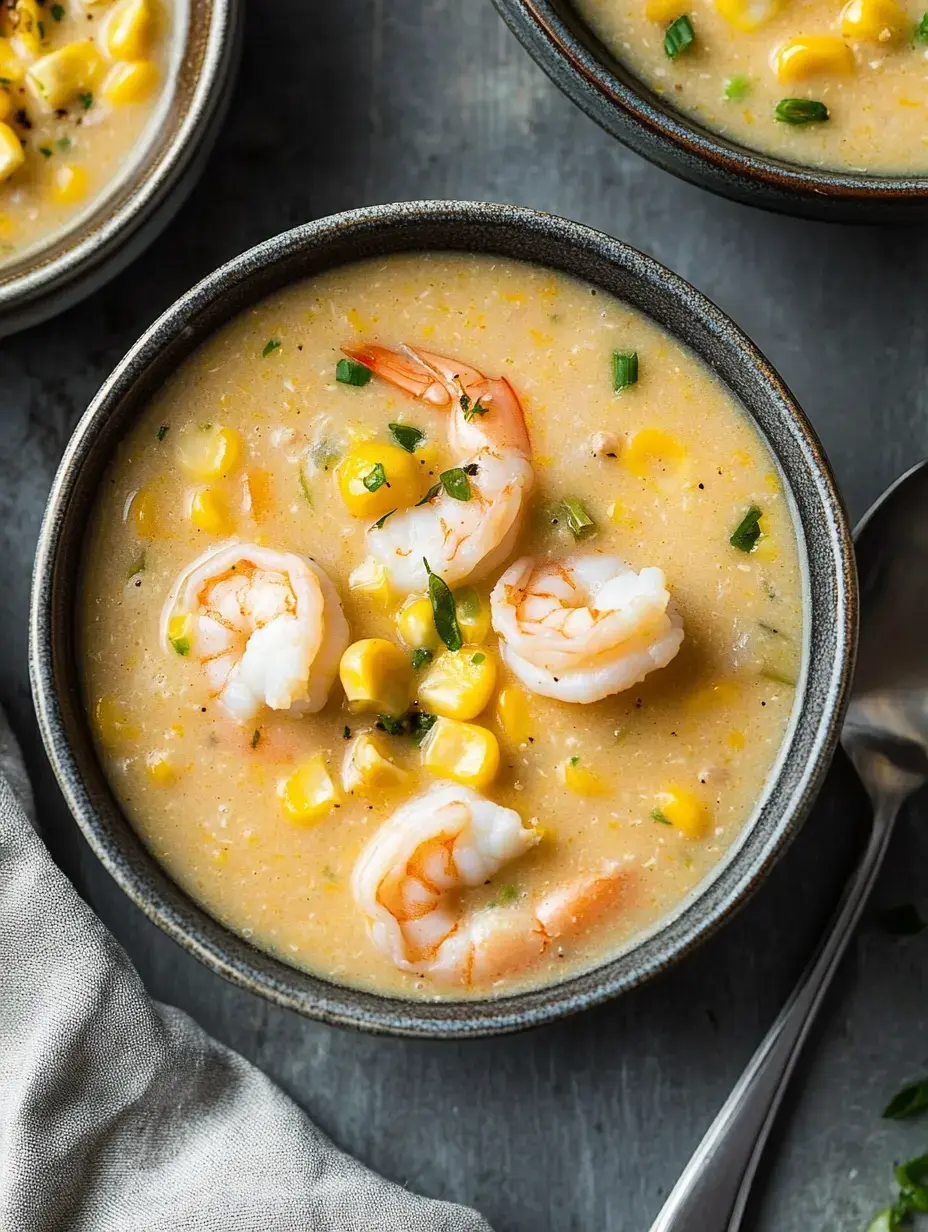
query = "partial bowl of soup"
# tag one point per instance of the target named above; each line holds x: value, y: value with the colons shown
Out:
x: 810, y: 110
x: 442, y: 618
x: 108, y: 109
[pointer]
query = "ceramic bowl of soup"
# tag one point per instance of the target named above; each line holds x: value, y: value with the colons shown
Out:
x: 442, y: 618
x: 108, y: 109
x: 809, y: 111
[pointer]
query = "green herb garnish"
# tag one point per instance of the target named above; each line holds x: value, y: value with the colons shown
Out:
x: 392, y: 724
x: 909, y: 1102
x: 376, y: 479
x: 455, y: 483
x: 624, y: 370
x: 737, y: 87
x: 163, y: 431
x: 658, y: 815
x: 420, y: 656
x: 443, y: 610
x: 505, y: 895
x: 137, y: 566
x: 471, y: 409
x: 747, y: 532
x: 63, y: 143
x: 420, y: 724
x: 57, y: 11
x: 255, y: 737
x: 46, y: 151
x: 406, y: 436
x: 40, y: 26
x: 270, y: 347
x: 921, y: 30
x: 902, y: 921
x: 679, y: 36
x: 912, y: 1178
x: 573, y: 761
x: 579, y: 521
x: 323, y: 455
x: 478, y: 658
x: 346, y: 732
x: 181, y: 645
x: 379, y: 524
x: 800, y: 111
x: 430, y: 495
x: 304, y: 486
x: 350, y: 372
x: 86, y: 100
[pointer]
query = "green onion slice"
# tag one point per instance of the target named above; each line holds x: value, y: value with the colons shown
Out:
x: 270, y: 346
x: 350, y: 372
x: 455, y: 483
x: 921, y: 30
x: 737, y: 87
x: 376, y: 479
x: 579, y: 521
x: 679, y: 36
x: 801, y: 111
x: 747, y: 532
x: 406, y: 436
x: 181, y: 645
x: 443, y: 611
x: 624, y: 370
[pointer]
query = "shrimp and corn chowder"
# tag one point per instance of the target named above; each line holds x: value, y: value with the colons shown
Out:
x: 822, y: 83
x: 441, y: 623
x: 78, y: 82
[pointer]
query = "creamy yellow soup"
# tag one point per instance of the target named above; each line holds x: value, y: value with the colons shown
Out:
x: 261, y: 821
x: 79, y: 83
x: 814, y: 83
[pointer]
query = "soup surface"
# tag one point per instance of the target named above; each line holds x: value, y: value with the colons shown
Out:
x: 79, y: 81
x: 622, y: 805
x: 809, y: 82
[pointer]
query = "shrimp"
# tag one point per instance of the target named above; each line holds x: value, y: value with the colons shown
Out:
x: 584, y: 627
x: 406, y: 881
x: 266, y: 626
x: 488, y: 437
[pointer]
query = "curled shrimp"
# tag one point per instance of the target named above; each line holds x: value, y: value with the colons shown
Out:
x: 266, y: 626
x: 407, y: 878
x: 487, y: 435
x: 583, y: 627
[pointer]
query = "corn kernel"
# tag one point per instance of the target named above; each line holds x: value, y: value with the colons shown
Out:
x: 12, y: 155
x: 6, y: 104
x: 736, y: 740
x: 180, y: 632
x: 259, y: 499
x: 308, y: 793
x: 376, y: 676
x: 872, y: 21
x: 209, y: 451
x: 459, y: 684
x: 473, y: 613
x: 24, y: 24
x: 722, y: 693
x: 11, y: 67
x: 58, y: 78
x: 113, y: 726
x: 375, y: 478
x: 160, y: 769
x: 131, y: 82
x: 416, y: 624
x: 208, y: 511
x: 662, y: 10
x: 70, y: 184
x: 579, y: 779
x: 811, y: 55
x: 370, y: 578
x: 461, y: 751
x: 141, y: 512
x: 368, y: 769
x: 129, y: 29
x: 747, y: 15
x: 685, y: 811
x: 513, y: 714
x: 650, y: 449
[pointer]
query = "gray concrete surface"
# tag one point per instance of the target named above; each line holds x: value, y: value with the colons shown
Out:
x: 585, y: 1125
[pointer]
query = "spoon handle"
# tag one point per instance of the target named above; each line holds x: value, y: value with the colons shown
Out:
x: 713, y: 1190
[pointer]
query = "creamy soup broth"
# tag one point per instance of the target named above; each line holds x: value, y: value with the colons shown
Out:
x: 695, y: 741
x: 864, y: 63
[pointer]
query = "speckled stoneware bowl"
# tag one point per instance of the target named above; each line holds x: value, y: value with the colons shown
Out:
x: 575, y: 59
x: 123, y: 220
x: 825, y: 550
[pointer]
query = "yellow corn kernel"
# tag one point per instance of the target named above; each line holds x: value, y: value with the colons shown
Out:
x: 473, y: 613
x: 580, y: 780
x: 131, y: 82
x: 376, y: 676
x: 259, y: 497
x: 62, y: 75
x: 12, y: 155
x: 375, y: 478
x: 70, y: 184
x: 513, y: 714
x: 748, y: 15
x: 159, y: 768
x: 461, y: 751
x: 113, y: 726
x: 142, y: 514
x: 368, y: 769
x: 872, y: 21
x: 811, y: 55
x: 722, y: 693
x: 209, y: 512
x: 308, y: 793
x: 370, y: 578
x: 180, y: 632
x: 662, y: 10
x: 6, y: 104
x: 129, y: 29
x: 650, y: 449
x: 24, y: 25
x: 459, y: 684
x: 209, y: 451
x: 11, y: 67
x: 685, y: 811
x: 416, y: 625
x: 736, y: 740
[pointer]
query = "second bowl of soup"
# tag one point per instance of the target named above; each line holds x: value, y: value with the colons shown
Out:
x: 444, y: 651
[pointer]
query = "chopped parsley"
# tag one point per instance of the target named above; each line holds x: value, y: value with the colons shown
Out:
x: 57, y: 11
x: 421, y: 656
x: 406, y: 436
x: 658, y: 815
x: 86, y: 100
x: 163, y: 431
x: 350, y: 372
x: 376, y: 479
x: 455, y: 483
x: 471, y: 409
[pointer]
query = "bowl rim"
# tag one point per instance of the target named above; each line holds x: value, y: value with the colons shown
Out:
x: 243, y: 280
x: 589, y: 76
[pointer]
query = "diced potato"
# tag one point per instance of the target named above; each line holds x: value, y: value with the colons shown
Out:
x: 142, y: 514
x: 129, y: 29
x: 685, y: 811
x: 459, y: 684
x: 461, y: 751
x: 131, y: 82
x: 12, y: 155
x: 209, y: 511
x: 473, y: 613
x: 308, y: 793
x: 747, y: 15
x: 375, y: 477
x: 160, y: 769
x: 813, y: 55
x: 209, y: 451
x: 513, y: 714
x: 11, y: 66
x: 368, y: 769
x: 69, y: 184
x: 416, y: 625
x: 652, y: 450
x: 58, y: 78
x: 376, y: 676
x: 370, y: 578
x: 580, y: 779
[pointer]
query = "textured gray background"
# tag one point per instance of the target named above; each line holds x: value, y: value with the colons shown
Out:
x: 584, y: 1125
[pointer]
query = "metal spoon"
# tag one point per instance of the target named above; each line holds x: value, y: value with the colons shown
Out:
x: 886, y: 736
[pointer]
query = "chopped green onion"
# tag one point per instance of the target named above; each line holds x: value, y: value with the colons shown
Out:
x: 346, y: 732
x: 579, y: 521
x: 902, y: 921
x: 40, y: 26
x: 921, y: 30
x: 443, y: 610
x: 478, y: 658
x: 737, y: 87
x: 909, y: 1102
x: 350, y: 372
x: 679, y: 36
x: 406, y: 436
x: 57, y: 11
x: 181, y: 645
x: 430, y: 495
x: 255, y: 737
x: 270, y: 346
x: 747, y: 532
x: 137, y: 566
x: 378, y: 525
x: 574, y: 761
x: 86, y: 100
x: 45, y: 150
x: 658, y: 815
x: 392, y: 724
x: 420, y: 656
x: 455, y: 483
x: 801, y: 111
x: 420, y: 724
x: 624, y: 370
x: 63, y: 143
x: 376, y: 479
x: 163, y: 431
